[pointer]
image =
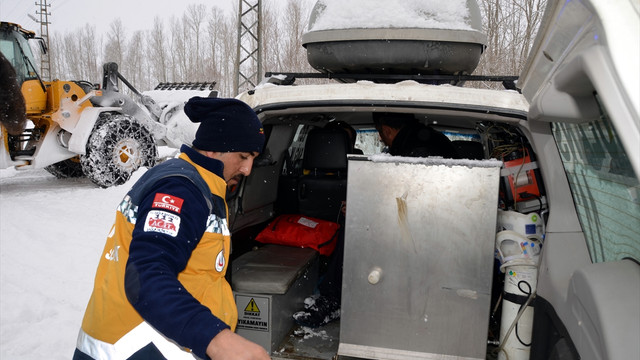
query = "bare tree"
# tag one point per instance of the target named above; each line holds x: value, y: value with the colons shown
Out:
x: 510, y: 27
x: 217, y: 60
x: 178, y: 51
x: 74, y: 56
x: 193, y: 20
x: 135, y: 69
x: 228, y: 44
x: 89, y: 54
x: 272, y: 39
x: 200, y: 44
x: 71, y: 49
x: 532, y: 11
x: 54, y: 54
x: 156, y: 47
x: 116, y: 43
x: 282, y: 40
x: 293, y: 28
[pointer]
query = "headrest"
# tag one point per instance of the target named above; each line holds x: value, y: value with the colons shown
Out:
x: 326, y: 150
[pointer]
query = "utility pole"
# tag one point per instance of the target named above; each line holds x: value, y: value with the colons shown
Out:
x: 45, y: 59
x: 248, y: 64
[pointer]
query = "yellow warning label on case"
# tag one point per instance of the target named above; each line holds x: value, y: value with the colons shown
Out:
x: 252, y: 306
x: 253, y: 312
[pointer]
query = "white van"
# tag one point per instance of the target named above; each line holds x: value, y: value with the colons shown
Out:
x: 524, y: 246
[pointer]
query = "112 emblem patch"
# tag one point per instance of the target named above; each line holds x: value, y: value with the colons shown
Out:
x: 162, y: 222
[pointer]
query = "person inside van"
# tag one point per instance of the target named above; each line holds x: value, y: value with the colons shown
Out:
x: 406, y: 136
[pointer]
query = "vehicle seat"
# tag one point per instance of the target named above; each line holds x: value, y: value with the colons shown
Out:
x: 323, y: 185
x: 469, y: 149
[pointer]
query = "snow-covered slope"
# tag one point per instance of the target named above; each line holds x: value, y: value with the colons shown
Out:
x: 52, y: 233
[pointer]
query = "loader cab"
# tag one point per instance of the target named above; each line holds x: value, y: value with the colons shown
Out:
x: 14, y: 45
x: 16, y: 48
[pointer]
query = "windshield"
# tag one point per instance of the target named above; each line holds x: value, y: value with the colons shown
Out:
x: 17, y: 50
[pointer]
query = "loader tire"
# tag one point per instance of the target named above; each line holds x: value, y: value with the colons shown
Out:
x: 117, y: 147
x: 66, y: 169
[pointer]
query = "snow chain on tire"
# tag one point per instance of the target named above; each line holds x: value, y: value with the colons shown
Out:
x: 117, y: 147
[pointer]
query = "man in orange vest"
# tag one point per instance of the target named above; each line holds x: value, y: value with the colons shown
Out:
x: 160, y: 290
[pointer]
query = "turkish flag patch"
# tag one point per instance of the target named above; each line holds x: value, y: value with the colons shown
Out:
x: 167, y: 202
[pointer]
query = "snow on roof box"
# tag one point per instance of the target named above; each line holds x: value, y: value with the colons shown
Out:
x: 395, y: 37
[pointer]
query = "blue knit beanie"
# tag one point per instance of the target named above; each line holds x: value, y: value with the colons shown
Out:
x: 226, y: 125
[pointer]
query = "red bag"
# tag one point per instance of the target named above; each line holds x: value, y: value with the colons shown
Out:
x: 301, y: 231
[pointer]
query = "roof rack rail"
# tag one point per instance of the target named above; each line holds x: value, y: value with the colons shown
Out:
x: 288, y: 78
x: 186, y: 86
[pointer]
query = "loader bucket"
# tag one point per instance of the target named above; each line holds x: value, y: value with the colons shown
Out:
x: 170, y: 98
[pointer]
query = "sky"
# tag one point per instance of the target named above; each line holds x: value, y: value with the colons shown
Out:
x: 70, y: 15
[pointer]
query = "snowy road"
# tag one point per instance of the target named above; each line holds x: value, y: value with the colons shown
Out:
x: 51, y: 235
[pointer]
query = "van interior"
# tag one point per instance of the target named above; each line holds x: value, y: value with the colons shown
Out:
x: 305, y: 170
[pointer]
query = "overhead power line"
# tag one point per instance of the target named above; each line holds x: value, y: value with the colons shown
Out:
x: 45, y: 59
x: 248, y: 63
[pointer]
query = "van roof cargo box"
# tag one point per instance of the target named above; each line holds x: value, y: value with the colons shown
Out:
x: 396, y: 50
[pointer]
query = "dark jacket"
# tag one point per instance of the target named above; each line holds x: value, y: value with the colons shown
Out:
x: 419, y: 140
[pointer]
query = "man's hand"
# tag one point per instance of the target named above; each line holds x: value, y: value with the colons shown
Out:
x: 228, y: 345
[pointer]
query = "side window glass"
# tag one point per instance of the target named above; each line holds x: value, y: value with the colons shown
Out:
x: 6, y: 47
x: 604, y: 187
x: 293, y: 163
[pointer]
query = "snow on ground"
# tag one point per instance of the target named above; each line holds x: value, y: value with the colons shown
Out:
x: 52, y: 233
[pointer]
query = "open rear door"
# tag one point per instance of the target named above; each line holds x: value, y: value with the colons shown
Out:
x: 582, y: 81
x: 587, y: 47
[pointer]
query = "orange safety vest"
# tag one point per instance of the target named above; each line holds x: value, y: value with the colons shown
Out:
x: 112, y: 328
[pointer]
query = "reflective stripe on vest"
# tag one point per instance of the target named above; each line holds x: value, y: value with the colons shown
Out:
x: 132, y: 342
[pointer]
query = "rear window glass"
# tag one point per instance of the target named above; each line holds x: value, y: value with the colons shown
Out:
x: 368, y: 140
x: 604, y: 187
